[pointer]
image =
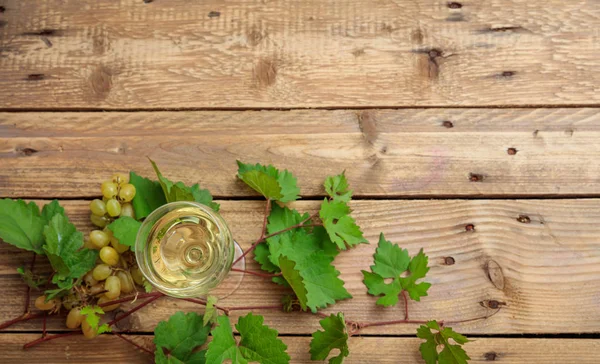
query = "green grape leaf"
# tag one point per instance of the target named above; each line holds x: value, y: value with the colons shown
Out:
x: 91, y: 314
x: 451, y: 353
x: 319, y: 276
x: 125, y: 230
x: 340, y: 226
x: 147, y: 285
x: 393, y: 262
x: 180, y: 192
x: 279, y: 219
x: 262, y: 256
x: 181, y: 335
x: 32, y: 281
x: 294, y: 279
x: 258, y: 343
x: 337, y: 188
x: 377, y: 287
x: 211, y: 313
x: 418, y: 269
x: 22, y: 225
x: 64, y: 248
x: 334, y: 336
x: 64, y: 286
x: 269, y: 181
x: 148, y: 196
x: 51, y: 209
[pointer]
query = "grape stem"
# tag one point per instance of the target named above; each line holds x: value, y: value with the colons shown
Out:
x: 136, y: 308
x: 226, y: 310
x: 28, y: 291
x: 25, y: 317
x: 50, y: 337
x: 405, y: 304
x: 262, y: 234
x: 357, y: 326
x: 133, y: 343
x: 258, y: 274
x: 131, y: 298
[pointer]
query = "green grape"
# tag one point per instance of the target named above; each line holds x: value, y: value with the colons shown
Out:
x: 88, y: 244
x: 120, y: 248
x: 97, y: 288
x: 103, y: 299
x: 74, y: 318
x: 137, y: 276
x: 87, y: 330
x: 99, y: 221
x: 120, y: 178
x: 98, y: 207
x: 127, y: 192
x: 70, y: 301
x: 127, y: 210
x: 109, y: 189
x: 41, y: 304
x: 89, y: 279
x: 112, y: 287
x: 126, y: 282
x: 99, y: 238
x: 113, y: 207
x: 109, y: 255
x: 101, y: 272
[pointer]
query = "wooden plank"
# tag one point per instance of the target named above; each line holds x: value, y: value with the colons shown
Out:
x: 384, y: 152
x: 214, y: 54
x: 362, y: 350
x: 546, y: 272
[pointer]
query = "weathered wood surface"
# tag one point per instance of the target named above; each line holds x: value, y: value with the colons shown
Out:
x: 427, y: 153
x: 362, y: 350
x: 545, y: 272
x: 254, y: 54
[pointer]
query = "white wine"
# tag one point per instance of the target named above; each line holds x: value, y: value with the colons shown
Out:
x: 187, y: 250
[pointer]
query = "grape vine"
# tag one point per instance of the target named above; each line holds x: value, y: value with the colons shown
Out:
x: 95, y: 275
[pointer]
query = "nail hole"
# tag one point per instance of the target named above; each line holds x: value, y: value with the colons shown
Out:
x: 2, y: 9
x: 35, y: 77
x: 511, y: 151
x: 474, y: 177
x: 447, y: 124
x: 384, y: 150
x: 524, y: 219
x: 508, y: 73
x: 470, y: 227
x: 493, y: 304
x: 434, y: 53
x: 491, y: 356
x: 26, y: 151
x: 454, y: 5
x: 449, y: 261
x: 214, y: 14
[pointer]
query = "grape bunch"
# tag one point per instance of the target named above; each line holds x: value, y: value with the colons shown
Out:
x: 116, y: 271
x: 117, y: 194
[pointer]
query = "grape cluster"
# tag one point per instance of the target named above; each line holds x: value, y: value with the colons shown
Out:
x: 117, y: 194
x: 116, y: 271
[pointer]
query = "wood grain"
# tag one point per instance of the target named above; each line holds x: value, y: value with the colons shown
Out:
x: 255, y: 54
x: 362, y: 350
x: 544, y: 273
x: 392, y: 153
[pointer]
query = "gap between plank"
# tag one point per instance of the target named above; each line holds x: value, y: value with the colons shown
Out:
x: 376, y: 107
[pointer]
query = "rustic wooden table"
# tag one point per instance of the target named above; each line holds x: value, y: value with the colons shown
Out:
x: 444, y: 115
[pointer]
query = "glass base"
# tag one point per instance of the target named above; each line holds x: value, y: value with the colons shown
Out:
x: 233, y: 280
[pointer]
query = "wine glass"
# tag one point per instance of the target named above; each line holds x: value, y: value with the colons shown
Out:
x: 185, y: 249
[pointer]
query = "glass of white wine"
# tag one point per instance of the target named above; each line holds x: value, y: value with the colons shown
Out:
x: 185, y: 249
